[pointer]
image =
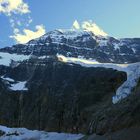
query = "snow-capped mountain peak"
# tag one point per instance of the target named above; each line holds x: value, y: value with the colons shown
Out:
x: 63, y: 36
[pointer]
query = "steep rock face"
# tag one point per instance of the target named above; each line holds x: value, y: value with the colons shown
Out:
x: 58, y: 95
x: 111, y: 118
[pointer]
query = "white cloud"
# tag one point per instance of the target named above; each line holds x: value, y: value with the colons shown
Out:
x: 92, y: 27
x: 13, y: 6
x: 89, y: 26
x: 28, y: 34
x: 19, y: 17
x: 76, y: 25
x: 12, y: 22
x: 20, y: 21
x: 16, y: 31
x: 30, y: 20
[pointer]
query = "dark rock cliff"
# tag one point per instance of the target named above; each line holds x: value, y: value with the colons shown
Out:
x: 61, y: 97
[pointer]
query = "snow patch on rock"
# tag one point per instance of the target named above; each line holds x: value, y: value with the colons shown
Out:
x: 25, y: 134
x: 19, y: 86
x: 6, y: 58
x: 7, y: 79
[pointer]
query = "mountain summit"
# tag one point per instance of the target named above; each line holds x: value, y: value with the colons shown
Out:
x: 81, y: 43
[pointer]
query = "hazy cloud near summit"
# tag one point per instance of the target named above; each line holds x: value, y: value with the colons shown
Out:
x: 28, y: 35
x: 89, y: 26
x: 76, y: 25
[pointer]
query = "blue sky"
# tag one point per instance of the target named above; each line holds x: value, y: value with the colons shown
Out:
x: 119, y: 18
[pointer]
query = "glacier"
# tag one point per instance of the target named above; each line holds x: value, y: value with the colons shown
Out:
x: 132, y: 70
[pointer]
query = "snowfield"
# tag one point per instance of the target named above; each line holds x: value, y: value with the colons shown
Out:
x: 6, y: 58
x: 25, y: 134
x: 18, y: 86
x: 15, y: 85
x: 132, y: 70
